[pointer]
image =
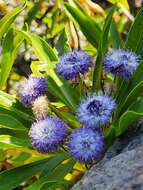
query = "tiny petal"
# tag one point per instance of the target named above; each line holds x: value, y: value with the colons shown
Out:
x: 40, y: 107
x: 31, y: 89
x: 86, y: 145
x: 96, y: 110
x: 74, y: 63
x: 121, y: 62
x: 48, y: 135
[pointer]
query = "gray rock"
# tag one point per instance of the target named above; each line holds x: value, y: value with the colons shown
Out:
x: 124, y: 171
x: 122, y: 166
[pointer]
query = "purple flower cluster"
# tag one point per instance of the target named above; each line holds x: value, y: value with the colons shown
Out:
x: 31, y: 89
x: 86, y: 145
x: 74, y: 63
x: 96, y: 110
x: 49, y: 134
x: 121, y: 62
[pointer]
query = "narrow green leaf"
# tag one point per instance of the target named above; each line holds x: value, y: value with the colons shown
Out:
x: 54, y: 162
x: 13, y: 141
x: 14, y: 133
x: 131, y: 97
x: 54, y: 176
x: 116, y: 38
x: 135, y: 112
x: 62, y: 45
x: 70, y: 95
x: 10, y: 122
x: 62, y: 170
x: 87, y: 25
x: 9, y: 105
x: 135, y: 36
x: 12, y: 178
x: 33, y: 11
x: 8, y: 19
x: 9, y: 53
x: 41, y: 48
x: 137, y: 76
x: 66, y: 116
x: 97, y: 74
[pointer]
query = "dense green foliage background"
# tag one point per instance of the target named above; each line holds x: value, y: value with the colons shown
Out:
x: 33, y: 34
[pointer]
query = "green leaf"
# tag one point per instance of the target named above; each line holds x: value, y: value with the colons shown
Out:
x: 8, y: 19
x: 131, y: 115
x: 9, y: 105
x: 9, y: 53
x: 10, y: 122
x: 62, y: 45
x: 64, y: 91
x: 14, y: 133
x: 135, y: 36
x: 41, y: 48
x: 103, y: 43
x: 12, y: 178
x: 116, y: 38
x: 33, y: 11
x: 20, y: 159
x: 126, y: 88
x: 13, y: 142
x: 87, y: 25
x: 53, y: 176
x: 54, y: 162
x: 120, y: 3
x: 62, y: 170
x: 131, y: 97
x: 66, y: 116
x: 137, y: 76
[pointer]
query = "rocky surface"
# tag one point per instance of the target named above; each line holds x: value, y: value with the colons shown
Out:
x: 122, y: 166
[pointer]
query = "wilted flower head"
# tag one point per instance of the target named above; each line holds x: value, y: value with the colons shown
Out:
x: 40, y: 107
x: 73, y: 63
x: 48, y: 135
x: 121, y: 62
x: 31, y: 89
x: 96, y: 110
x: 86, y: 145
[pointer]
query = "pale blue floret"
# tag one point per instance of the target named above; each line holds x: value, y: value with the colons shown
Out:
x: 31, y: 89
x: 48, y: 135
x: 121, y: 62
x: 74, y: 63
x: 96, y: 110
x: 86, y: 145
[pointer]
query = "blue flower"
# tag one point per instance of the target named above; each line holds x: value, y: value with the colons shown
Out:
x: 31, y: 89
x: 121, y: 62
x: 73, y: 63
x: 48, y: 135
x: 95, y: 110
x: 86, y: 145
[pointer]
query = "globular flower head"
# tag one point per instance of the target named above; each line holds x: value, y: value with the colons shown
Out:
x: 121, y: 62
x: 40, y: 107
x: 74, y: 63
x: 48, y: 135
x: 31, y: 89
x: 96, y: 110
x: 86, y: 145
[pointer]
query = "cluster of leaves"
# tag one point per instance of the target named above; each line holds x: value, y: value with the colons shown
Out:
x: 15, y: 120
